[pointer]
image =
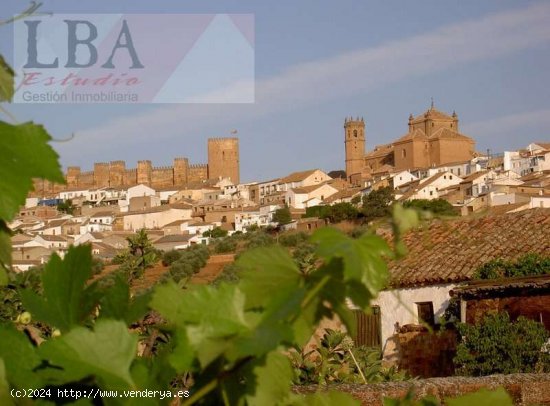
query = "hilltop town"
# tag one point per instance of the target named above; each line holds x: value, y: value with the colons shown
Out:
x: 178, y: 204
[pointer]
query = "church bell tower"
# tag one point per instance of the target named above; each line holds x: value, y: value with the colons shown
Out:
x: 355, y: 145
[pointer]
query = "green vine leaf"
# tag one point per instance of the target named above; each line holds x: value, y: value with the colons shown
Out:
x: 116, y: 302
x: 66, y: 300
x: 5, y: 398
x: 498, y: 397
x: 106, y: 353
x: 270, y: 383
x: 362, y: 258
x: 266, y: 272
x: 26, y: 155
x: 5, y: 252
x: 209, y: 317
x: 20, y: 358
x: 7, y: 87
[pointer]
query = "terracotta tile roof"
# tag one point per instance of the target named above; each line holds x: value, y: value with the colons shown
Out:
x: 474, y: 176
x: 157, y: 209
x: 105, y: 213
x: 432, y: 113
x: 55, y: 223
x: 410, y: 135
x: 380, y: 151
x: 297, y: 176
x: 342, y: 194
x: 450, y: 251
x: 174, y: 238
x: 309, y: 189
x: 545, y: 145
x: 175, y: 223
x: 54, y: 238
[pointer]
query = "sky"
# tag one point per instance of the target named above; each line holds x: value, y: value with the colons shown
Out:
x: 317, y: 62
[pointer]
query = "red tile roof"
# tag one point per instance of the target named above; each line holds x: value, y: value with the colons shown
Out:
x: 451, y: 251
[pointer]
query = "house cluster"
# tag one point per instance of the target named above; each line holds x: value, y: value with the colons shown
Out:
x: 512, y: 181
x: 175, y: 217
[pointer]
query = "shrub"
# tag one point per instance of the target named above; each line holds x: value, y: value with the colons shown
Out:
x: 190, y: 261
x: 259, y: 239
x: 228, y: 274
x: 225, y: 245
x: 437, y: 206
x: 292, y: 239
x: 499, y: 346
x: 170, y: 257
x: 528, y: 265
x: 337, y: 360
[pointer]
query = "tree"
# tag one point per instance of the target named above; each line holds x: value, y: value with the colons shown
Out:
x: 282, y: 216
x: 341, y: 212
x: 317, y: 211
x: 216, y: 232
x: 66, y: 207
x: 378, y: 203
x: 139, y: 255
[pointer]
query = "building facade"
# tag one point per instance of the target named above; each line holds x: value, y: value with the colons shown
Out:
x: 433, y: 139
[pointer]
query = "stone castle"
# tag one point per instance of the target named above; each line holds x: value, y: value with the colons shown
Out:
x: 433, y: 139
x: 223, y: 162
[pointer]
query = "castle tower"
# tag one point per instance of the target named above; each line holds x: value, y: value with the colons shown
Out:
x: 101, y: 174
x: 73, y: 172
x: 181, y: 167
x: 117, y: 171
x: 223, y: 159
x: 355, y: 145
x: 144, y: 172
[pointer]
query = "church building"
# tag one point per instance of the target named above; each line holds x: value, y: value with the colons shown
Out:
x: 433, y: 139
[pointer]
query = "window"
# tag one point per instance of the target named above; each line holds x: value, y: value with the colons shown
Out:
x: 431, y: 193
x: 403, y: 153
x: 425, y: 312
x: 355, y: 133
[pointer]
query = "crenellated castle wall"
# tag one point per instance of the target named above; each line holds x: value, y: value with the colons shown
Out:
x: 198, y: 172
x: 223, y: 161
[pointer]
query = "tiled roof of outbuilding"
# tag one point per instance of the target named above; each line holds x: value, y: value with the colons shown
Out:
x: 451, y: 251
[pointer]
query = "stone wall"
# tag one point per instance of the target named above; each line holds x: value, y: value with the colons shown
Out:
x: 525, y: 389
x: 534, y: 307
x: 425, y: 354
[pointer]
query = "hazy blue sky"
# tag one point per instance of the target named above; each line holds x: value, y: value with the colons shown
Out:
x: 318, y: 61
